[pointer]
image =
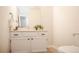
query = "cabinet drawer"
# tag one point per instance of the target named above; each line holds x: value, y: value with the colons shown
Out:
x: 42, y: 34
x: 34, y: 34
x: 18, y: 39
x: 30, y: 34
x: 16, y: 34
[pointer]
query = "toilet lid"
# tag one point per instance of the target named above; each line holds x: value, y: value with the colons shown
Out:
x: 69, y: 49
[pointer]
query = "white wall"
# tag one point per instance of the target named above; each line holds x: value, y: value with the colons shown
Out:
x: 65, y: 24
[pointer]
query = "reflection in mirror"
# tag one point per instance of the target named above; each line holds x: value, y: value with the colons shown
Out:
x: 23, y: 21
x: 23, y: 15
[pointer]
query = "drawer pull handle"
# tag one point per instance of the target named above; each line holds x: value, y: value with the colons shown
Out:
x: 42, y: 34
x: 15, y: 34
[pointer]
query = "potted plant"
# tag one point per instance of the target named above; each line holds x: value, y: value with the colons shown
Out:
x: 38, y: 27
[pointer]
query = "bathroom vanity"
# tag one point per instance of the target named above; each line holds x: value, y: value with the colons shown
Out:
x: 28, y: 41
x: 23, y: 36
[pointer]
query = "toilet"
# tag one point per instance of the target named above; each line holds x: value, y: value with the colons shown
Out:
x: 68, y: 49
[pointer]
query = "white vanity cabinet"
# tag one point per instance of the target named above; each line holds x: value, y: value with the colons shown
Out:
x: 30, y: 41
x: 39, y: 44
x: 19, y: 45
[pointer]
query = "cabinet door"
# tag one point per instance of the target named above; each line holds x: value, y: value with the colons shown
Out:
x: 39, y: 44
x: 19, y: 45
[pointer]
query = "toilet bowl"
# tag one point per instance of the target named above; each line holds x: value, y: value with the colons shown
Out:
x: 68, y: 49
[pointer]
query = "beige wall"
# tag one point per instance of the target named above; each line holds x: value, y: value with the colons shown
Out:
x: 46, y: 20
x: 4, y: 36
x: 34, y: 17
x: 65, y: 24
x: 4, y: 28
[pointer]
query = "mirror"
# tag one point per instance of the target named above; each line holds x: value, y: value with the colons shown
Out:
x: 23, y: 15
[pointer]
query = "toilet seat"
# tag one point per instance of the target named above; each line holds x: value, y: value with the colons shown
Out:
x: 68, y: 49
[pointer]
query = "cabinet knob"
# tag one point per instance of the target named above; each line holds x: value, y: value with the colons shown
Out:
x: 28, y: 39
